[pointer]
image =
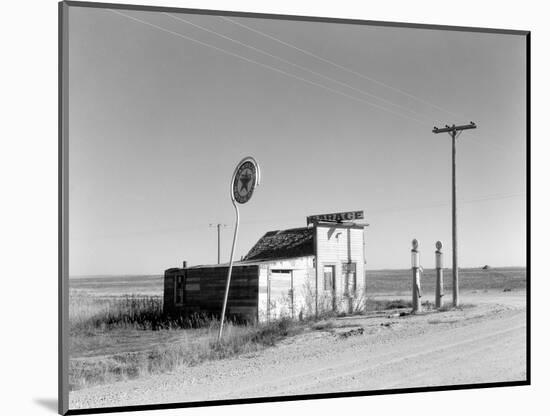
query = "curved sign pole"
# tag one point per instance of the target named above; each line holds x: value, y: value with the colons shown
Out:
x: 245, y: 179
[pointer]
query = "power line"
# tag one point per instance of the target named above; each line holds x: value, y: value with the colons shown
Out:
x: 360, y: 91
x: 513, y: 195
x: 298, y: 66
x: 268, y: 67
x: 378, y: 212
x: 351, y: 71
x: 407, y: 208
x: 390, y: 211
x: 484, y: 143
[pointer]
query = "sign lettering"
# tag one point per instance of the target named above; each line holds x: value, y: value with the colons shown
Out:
x: 336, y: 217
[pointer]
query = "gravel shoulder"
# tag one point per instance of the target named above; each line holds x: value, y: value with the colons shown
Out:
x: 482, y: 343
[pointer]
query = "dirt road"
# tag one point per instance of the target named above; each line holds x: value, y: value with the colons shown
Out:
x: 483, y: 343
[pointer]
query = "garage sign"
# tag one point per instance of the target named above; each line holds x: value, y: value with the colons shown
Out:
x: 336, y: 217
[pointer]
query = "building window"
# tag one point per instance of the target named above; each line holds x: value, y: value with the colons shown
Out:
x: 179, y: 290
x: 328, y: 273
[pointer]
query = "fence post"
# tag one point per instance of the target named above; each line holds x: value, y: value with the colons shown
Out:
x: 438, y: 274
x: 415, y: 264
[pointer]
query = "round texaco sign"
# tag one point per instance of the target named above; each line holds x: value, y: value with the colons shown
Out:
x: 245, y: 180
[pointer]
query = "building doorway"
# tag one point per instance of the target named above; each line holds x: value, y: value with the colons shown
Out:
x: 281, y: 294
x: 330, y: 283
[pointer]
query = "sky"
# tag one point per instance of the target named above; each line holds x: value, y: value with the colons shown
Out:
x: 338, y: 116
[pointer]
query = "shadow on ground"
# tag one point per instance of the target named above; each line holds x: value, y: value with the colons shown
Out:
x: 49, y: 404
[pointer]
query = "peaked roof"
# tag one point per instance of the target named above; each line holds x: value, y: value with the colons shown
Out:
x: 281, y: 244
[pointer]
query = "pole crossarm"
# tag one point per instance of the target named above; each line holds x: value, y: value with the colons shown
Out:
x: 453, y: 128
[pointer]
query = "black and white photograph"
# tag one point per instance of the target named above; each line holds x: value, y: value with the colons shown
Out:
x: 267, y: 207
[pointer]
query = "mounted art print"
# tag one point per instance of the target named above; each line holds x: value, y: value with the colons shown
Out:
x: 385, y: 251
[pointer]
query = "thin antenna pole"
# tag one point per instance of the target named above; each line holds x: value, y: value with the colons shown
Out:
x: 219, y: 226
x: 219, y: 244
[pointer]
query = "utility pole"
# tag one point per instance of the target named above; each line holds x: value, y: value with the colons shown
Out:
x: 454, y: 132
x: 218, y: 226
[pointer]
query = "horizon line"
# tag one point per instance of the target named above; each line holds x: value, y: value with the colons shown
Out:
x: 87, y: 276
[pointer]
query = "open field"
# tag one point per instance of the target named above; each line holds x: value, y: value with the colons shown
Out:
x: 112, y: 341
x: 378, y: 281
x: 398, y: 282
x: 109, y: 286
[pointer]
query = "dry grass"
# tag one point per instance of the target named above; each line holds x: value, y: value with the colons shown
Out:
x: 189, y: 347
x: 143, y: 312
x: 120, y: 338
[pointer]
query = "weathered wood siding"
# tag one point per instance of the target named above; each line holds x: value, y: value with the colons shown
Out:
x: 204, y: 290
x: 169, y: 290
x: 337, y: 245
x: 286, y: 289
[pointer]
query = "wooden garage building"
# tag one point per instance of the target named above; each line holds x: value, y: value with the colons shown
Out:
x: 288, y: 273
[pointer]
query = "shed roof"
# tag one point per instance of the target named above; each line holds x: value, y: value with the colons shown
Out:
x: 226, y: 265
x: 283, y: 244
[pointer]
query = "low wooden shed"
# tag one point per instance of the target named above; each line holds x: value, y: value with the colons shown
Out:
x: 293, y: 273
x: 200, y: 290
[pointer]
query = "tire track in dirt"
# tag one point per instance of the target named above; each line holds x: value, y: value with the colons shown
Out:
x: 419, y: 377
x: 442, y: 364
x: 299, y: 382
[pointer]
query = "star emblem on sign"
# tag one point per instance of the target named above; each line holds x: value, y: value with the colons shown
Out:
x: 245, y: 181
